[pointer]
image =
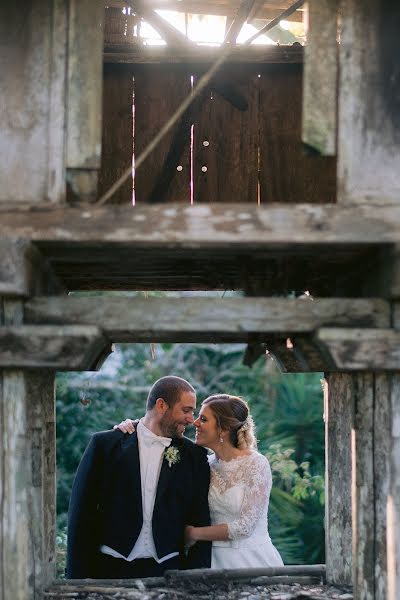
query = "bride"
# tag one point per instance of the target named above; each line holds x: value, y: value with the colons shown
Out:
x: 239, y: 490
x: 240, y: 486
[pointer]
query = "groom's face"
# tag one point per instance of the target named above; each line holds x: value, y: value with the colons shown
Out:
x: 175, y: 419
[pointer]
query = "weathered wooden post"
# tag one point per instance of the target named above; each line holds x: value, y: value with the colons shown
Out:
x: 368, y: 162
x: 339, y: 416
x: 27, y: 421
x: 50, y: 67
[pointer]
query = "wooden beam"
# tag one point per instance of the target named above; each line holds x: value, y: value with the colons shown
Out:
x: 393, y: 496
x: 263, y: 10
x: 168, y: 32
x: 204, y: 319
x: 207, y: 226
x: 283, y: 15
x: 69, y: 348
x: 339, y: 420
x: 84, y: 98
x: 360, y: 349
x: 240, y: 19
x: 320, y: 78
x: 24, y: 271
x: 32, y: 115
x: 202, y: 56
x: 27, y: 476
x: 369, y: 89
x: 385, y: 401
x: 322, y: 249
x: 363, y: 487
x: 27, y: 452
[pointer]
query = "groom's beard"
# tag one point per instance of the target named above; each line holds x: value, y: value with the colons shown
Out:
x: 170, y: 428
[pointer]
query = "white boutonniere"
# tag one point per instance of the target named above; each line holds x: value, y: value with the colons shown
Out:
x: 171, y: 454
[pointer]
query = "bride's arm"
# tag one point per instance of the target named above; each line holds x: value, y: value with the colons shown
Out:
x: 257, y: 481
x: 212, y: 533
x: 127, y: 426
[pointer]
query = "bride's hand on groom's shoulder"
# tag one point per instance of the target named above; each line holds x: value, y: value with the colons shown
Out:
x: 127, y: 426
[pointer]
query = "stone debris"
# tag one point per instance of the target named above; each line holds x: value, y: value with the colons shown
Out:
x: 200, y: 590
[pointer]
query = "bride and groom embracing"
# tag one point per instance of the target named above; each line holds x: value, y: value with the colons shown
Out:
x: 146, y: 499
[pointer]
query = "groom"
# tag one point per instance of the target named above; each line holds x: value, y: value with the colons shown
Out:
x: 134, y: 494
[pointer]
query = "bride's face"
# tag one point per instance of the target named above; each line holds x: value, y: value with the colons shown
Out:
x: 207, y: 433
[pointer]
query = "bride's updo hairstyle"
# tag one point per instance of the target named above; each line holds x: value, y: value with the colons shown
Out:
x: 233, y: 415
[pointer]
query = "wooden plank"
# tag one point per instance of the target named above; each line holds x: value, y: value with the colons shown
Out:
x: 287, y: 174
x: 60, y: 348
x: 350, y: 349
x: 369, y: 124
x: 393, y: 500
x: 206, y: 319
x: 24, y: 271
x: 225, y: 144
x: 157, y: 95
x: 117, y: 139
x: 40, y: 399
x: 363, y: 482
x: 32, y: 116
x: 202, y: 55
x: 213, y: 226
x: 320, y: 78
x: 84, y: 100
x: 339, y: 419
x: 382, y: 453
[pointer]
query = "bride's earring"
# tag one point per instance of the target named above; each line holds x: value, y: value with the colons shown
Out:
x: 221, y: 439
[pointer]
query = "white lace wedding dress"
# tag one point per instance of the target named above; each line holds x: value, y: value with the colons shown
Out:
x: 239, y: 496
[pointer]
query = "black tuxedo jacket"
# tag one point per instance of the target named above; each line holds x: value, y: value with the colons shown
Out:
x: 106, y: 503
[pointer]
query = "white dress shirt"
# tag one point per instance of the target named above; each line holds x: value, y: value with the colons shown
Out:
x: 151, y: 452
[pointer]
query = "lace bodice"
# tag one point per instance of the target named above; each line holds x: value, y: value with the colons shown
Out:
x: 239, y: 494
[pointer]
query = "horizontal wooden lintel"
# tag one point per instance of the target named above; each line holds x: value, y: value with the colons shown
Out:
x: 62, y: 348
x: 206, y: 226
x: 213, y: 319
x: 355, y: 349
x: 135, y: 54
x: 23, y: 270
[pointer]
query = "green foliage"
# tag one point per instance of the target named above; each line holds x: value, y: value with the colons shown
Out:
x: 286, y: 408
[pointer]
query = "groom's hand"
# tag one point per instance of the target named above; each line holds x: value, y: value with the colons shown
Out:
x: 126, y: 426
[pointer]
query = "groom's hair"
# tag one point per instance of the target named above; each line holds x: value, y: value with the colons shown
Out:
x: 168, y: 388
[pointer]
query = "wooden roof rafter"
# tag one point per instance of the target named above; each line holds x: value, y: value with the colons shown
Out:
x: 168, y: 32
x: 262, y: 9
x: 244, y: 10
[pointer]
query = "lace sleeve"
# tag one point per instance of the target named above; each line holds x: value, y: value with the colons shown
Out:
x: 257, y: 480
